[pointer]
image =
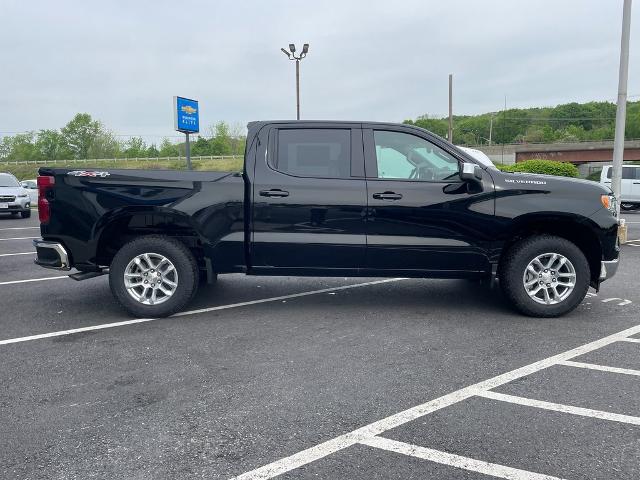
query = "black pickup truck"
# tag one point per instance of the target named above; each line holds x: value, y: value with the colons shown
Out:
x: 330, y: 199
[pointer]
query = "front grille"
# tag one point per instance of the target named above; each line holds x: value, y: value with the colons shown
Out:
x: 7, y: 198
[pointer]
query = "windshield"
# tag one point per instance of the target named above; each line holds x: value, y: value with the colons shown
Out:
x: 8, y: 181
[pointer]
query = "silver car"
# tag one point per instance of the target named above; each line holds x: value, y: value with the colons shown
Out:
x: 32, y: 189
x: 14, y: 198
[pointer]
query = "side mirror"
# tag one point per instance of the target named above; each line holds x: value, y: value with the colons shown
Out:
x: 471, y: 172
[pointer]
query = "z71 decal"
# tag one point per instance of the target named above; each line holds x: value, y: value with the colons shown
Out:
x: 84, y: 173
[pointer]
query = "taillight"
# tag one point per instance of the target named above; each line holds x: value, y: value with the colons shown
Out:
x: 45, y: 183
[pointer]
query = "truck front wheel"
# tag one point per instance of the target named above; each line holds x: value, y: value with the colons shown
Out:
x: 153, y: 276
x: 544, y: 276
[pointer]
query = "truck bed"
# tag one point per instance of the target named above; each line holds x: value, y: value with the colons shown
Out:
x: 91, y: 206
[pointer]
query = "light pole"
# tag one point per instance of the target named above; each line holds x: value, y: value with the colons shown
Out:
x: 291, y: 55
x: 621, y: 111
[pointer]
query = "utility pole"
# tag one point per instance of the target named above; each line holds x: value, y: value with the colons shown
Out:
x: 490, y: 128
x: 450, y: 108
x: 621, y: 111
x: 291, y: 55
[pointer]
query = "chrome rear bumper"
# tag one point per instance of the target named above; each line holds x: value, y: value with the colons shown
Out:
x: 51, y: 255
x: 608, y: 268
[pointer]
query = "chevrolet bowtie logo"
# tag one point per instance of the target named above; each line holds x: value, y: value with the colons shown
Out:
x: 188, y: 109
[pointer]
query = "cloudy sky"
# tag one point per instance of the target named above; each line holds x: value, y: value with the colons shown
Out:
x: 122, y: 61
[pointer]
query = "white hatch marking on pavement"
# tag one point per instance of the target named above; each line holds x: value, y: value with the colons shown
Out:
x: 13, y: 254
x: 607, y: 300
x: 591, y: 294
x: 16, y: 238
x: 633, y: 340
x: 602, y: 368
x: 341, y: 442
x: 623, y: 301
x: 12, y: 282
x: 458, y: 461
x: 192, y: 312
x: 559, y: 407
x: 20, y: 228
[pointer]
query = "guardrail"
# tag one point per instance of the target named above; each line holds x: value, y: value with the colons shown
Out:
x: 118, y: 160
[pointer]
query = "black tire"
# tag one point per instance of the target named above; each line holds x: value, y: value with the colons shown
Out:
x: 515, y: 262
x: 176, y: 252
x: 26, y: 214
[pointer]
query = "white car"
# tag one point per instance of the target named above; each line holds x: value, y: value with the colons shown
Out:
x: 31, y: 186
x: 13, y: 198
x: 478, y: 155
x: 630, y: 191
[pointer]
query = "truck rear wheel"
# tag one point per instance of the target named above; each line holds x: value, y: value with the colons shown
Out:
x: 544, y: 276
x: 153, y: 276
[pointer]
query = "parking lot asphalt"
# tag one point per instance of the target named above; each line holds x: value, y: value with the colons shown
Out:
x: 445, y: 379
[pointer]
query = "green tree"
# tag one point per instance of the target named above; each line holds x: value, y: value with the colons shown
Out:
x: 220, y: 144
x: 80, y: 133
x: 22, y: 147
x: 168, y: 149
x: 200, y: 147
x: 438, y: 126
x: 135, y: 148
x: 105, y: 145
x: 50, y: 145
x: 152, y: 151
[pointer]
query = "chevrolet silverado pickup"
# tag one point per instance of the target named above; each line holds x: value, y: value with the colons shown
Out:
x: 318, y: 198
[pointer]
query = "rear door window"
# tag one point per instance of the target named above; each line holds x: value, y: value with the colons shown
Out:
x: 319, y: 153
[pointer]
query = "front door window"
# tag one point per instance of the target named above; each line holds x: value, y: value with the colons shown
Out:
x: 402, y: 156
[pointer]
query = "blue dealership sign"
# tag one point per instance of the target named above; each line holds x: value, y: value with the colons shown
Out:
x: 186, y: 115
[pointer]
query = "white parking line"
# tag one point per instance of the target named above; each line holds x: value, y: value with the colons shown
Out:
x: 602, y: 368
x: 103, y: 326
x: 16, y: 238
x: 559, y: 407
x: 13, y: 254
x: 633, y: 340
x: 43, y: 279
x: 341, y: 442
x: 19, y: 228
x: 444, y: 458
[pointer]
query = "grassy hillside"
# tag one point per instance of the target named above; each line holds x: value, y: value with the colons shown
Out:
x: 570, y: 122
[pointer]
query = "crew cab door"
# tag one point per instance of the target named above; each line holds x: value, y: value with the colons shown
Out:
x: 309, y: 199
x: 421, y: 216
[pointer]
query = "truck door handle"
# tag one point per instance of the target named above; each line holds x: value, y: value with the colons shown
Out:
x: 387, y: 196
x: 274, y: 192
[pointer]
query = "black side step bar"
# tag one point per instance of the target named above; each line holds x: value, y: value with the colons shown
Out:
x: 87, y: 275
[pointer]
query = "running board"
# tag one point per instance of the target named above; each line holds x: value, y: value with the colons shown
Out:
x: 87, y: 275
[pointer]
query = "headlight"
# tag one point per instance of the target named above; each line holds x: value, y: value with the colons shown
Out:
x: 23, y: 195
x: 610, y: 203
